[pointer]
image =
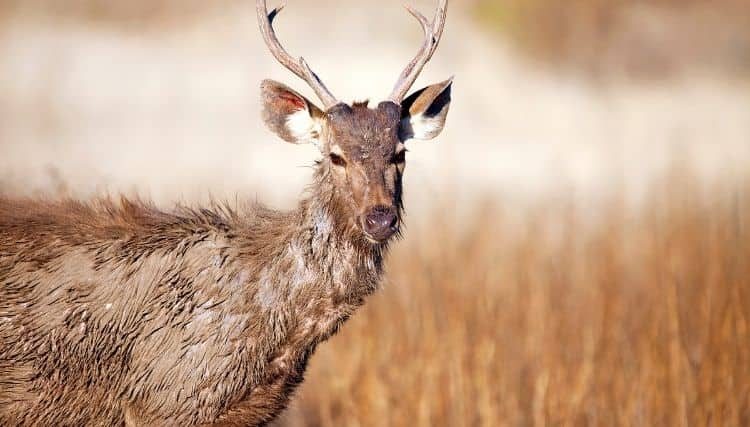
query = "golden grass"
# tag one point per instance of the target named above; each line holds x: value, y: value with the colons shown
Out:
x: 567, y: 314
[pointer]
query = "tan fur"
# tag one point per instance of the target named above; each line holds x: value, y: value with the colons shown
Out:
x: 118, y: 313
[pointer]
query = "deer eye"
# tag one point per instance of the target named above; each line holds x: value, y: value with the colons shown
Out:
x: 399, y: 157
x: 337, y: 160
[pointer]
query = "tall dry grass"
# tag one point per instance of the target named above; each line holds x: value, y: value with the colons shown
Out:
x: 564, y: 314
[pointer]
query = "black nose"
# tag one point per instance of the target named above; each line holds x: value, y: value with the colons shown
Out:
x: 380, y: 222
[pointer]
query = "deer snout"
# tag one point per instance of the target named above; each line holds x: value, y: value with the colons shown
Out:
x: 380, y: 222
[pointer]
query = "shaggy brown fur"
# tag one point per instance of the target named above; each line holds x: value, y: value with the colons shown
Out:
x: 118, y: 311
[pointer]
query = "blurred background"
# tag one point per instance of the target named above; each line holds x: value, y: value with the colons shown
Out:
x: 577, y: 246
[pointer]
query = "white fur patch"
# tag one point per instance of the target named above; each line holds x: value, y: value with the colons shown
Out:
x: 323, y: 224
x: 303, y: 127
x: 215, y: 261
x: 239, y: 281
x: 205, y: 316
x: 424, y: 127
x: 335, y: 149
x: 301, y: 275
x: 232, y: 323
x: 267, y: 296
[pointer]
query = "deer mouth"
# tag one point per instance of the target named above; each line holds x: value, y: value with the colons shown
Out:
x: 381, y: 236
x: 377, y: 241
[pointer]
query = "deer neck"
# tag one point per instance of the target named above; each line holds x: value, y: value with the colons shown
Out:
x: 322, y: 271
x: 335, y: 246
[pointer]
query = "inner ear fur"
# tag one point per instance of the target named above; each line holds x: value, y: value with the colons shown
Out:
x: 288, y: 114
x: 423, y: 113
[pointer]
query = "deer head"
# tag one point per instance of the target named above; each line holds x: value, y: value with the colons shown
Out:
x: 363, y: 148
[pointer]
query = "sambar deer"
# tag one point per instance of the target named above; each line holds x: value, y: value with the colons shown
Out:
x: 117, y: 313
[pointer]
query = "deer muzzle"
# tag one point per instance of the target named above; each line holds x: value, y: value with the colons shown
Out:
x: 380, y: 223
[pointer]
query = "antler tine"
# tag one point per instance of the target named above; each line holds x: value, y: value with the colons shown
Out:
x: 297, y: 66
x: 432, y: 32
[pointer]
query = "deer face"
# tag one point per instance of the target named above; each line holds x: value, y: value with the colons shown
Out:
x: 366, y: 162
x: 363, y: 148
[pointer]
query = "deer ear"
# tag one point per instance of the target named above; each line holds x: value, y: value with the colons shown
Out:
x: 423, y: 113
x: 290, y: 115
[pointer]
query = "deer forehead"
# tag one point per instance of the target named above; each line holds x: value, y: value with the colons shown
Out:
x: 362, y: 132
x: 366, y: 150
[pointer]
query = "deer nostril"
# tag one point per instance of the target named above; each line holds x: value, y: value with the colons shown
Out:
x: 372, y: 221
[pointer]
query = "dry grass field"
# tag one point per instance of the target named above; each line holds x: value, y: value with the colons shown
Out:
x: 562, y: 315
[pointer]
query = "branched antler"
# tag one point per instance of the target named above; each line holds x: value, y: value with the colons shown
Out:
x: 432, y: 32
x: 297, y: 66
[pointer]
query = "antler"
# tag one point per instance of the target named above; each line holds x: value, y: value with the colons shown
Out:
x: 432, y: 32
x: 298, y: 67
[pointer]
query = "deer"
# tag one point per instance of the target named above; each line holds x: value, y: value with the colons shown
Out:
x: 115, y: 312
